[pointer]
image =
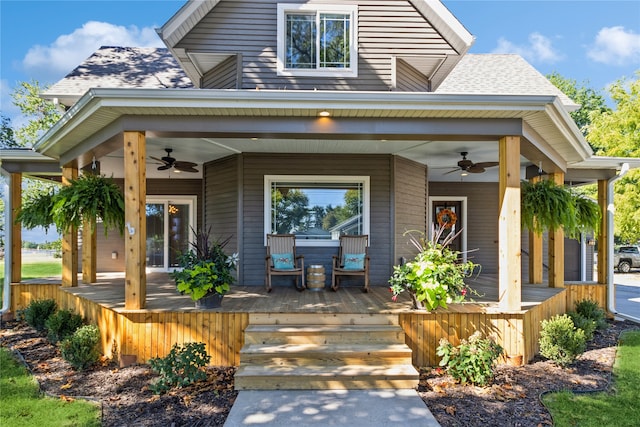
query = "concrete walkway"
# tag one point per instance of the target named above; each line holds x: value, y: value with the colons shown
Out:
x: 353, y: 408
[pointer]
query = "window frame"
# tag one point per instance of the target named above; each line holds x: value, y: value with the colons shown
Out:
x: 351, y: 71
x: 329, y: 179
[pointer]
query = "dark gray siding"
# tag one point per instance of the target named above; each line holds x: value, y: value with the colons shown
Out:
x: 224, y: 76
x: 572, y: 259
x: 410, y: 201
x: 255, y: 167
x: 114, y: 241
x: 385, y: 28
x: 482, y: 219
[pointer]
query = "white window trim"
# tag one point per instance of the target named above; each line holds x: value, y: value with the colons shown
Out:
x: 193, y: 222
x: 352, y: 71
x: 366, y: 206
x: 463, y: 226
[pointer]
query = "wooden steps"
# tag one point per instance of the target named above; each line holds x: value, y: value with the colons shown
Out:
x: 303, y: 352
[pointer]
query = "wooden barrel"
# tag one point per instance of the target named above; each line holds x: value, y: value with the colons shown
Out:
x: 315, y: 277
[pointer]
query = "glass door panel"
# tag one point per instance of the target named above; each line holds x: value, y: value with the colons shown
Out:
x: 179, y: 216
x: 155, y: 235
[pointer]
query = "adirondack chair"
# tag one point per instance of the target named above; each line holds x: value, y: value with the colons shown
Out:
x: 352, y: 260
x: 281, y: 260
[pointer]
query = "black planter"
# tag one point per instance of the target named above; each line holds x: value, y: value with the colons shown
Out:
x: 213, y: 300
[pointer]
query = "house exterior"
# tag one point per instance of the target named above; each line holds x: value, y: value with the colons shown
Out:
x: 369, y: 101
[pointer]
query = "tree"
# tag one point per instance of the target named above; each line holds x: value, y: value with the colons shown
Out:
x: 617, y: 133
x: 590, y: 100
x: 42, y: 114
x: 7, y: 137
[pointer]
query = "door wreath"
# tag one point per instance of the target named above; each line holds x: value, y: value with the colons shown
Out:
x: 447, y: 218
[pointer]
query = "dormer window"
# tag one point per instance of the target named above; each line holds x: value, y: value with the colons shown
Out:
x: 317, y: 40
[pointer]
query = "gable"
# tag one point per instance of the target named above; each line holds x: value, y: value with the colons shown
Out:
x: 423, y: 34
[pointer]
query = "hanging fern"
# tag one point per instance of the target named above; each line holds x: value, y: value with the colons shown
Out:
x: 587, y: 216
x: 89, y: 196
x: 36, y: 211
x: 547, y: 206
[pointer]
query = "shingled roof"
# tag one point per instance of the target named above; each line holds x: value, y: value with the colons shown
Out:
x: 120, y: 67
x: 499, y: 74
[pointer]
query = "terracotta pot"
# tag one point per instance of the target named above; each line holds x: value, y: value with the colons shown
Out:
x: 515, y: 360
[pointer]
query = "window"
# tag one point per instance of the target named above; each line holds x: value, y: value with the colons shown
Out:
x: 316, y: 209
x: 317, y: 40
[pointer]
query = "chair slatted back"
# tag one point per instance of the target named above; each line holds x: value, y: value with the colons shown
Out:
x: 353, y: 245
x: 281, y: 244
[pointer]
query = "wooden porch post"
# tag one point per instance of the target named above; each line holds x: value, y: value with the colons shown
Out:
x: 603, y: 237
x: 556, y: 247
x: 535, y: 252
x: 135, y: 220
x: 509, y: 232
x: 89, y: 248
x: 69, y: 239
x: 16, y: 228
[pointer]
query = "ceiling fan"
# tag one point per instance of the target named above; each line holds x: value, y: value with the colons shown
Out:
x: 170, y: 162
x: 466, y: 165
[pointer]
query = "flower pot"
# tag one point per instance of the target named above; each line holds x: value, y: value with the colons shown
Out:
x: 213, y: 300
x: 515, y: 360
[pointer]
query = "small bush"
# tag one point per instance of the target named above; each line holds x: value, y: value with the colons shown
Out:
x: 472, y: 361
x: 560, y: 341
x: 181, y: 367
x: 81, y: 349
x: 591, y: 310
x: 62, y: 324
x: 37, y: 313
x: 587, y: 325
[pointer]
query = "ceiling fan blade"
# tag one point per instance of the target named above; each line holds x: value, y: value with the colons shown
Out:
x: 186, y: 169
x: 164, y: 167
x: 475, y: 169
x: 487, y: 164
x: 159, y: 160
x: 451, y: 171
x: 185, y: 165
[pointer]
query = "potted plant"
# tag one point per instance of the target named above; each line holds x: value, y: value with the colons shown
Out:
x: 206, y: 270
x: 435, y: 277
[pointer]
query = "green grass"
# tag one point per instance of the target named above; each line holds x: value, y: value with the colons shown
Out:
x: 618, y: 408
x: 22, y: 405
x: 34, y: 270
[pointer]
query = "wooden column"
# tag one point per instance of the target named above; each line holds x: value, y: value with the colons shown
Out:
x: 135, y: 220
x: 16, y: 228
x: 69, y: 239
x: 603, y: 237
x: 509, y: 233
x: 556, y: 247
x: 535, y: 252
x: 89, y: 248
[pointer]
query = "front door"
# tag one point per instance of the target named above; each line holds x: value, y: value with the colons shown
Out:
x: 451, y: 214
x: 169, y: 224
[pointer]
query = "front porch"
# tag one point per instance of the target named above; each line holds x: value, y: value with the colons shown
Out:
x: 171, y: 318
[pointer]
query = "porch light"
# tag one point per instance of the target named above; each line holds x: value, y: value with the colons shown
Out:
x: 324, y: 113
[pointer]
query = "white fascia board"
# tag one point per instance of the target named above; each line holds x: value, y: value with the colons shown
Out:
x: 182, y: 22
x: 604, y: 162
x: 442, y: 19
x: 565, y: 124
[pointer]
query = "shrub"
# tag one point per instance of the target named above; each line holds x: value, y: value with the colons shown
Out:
x: 472, y: 361
x: 81, y: 349
x: 37, y: 313
x: 560, y: 341
x: 181, y: 367
x: 591, y: 310
x: 584, y: 323
x: 62, y: 324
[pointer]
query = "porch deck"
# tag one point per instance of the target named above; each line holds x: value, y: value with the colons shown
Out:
x: 162, y: 296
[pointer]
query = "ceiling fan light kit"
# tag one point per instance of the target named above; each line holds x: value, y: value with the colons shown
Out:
x: 178, y: 166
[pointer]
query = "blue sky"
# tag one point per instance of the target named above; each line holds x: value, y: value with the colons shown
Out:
x: 592, y: 42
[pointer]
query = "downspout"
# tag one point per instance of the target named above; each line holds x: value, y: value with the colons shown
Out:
x: 611, y: 290
x: 583, y: 257
x: 6, y: 294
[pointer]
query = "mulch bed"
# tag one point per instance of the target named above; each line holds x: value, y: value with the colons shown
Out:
x: 125, y: 398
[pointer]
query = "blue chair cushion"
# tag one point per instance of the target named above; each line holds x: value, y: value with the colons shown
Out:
x: 354, y: 261
x: 283, y: 261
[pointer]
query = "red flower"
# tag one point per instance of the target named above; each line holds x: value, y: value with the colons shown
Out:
x: 463, y: 292
x: 394, y: 298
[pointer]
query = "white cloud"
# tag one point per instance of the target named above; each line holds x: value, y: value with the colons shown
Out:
x: 50, y: 63
x: 538, y: 50
x: 617, y: 46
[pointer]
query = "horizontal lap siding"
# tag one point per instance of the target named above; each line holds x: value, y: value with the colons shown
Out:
x: 224, y: 76
x: 408, y: 79
x: 385, y: 29
x: 410, y: 191
x: 257, y: 166
x: 482, y: 219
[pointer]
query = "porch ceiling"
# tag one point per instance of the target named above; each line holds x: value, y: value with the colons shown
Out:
x: 204, y: 125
